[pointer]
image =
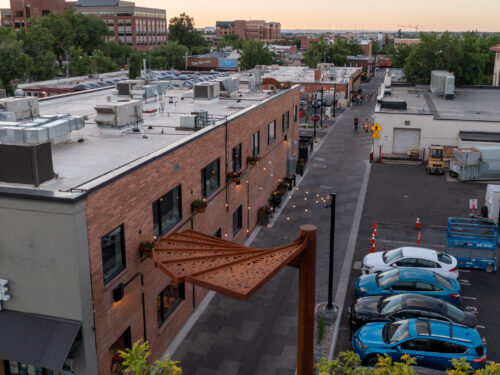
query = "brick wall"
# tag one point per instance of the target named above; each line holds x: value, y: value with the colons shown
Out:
x: 128, y: 201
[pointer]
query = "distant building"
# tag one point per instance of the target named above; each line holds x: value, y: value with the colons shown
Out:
x: 253, y: 29
x: 398, y: 42
x: 364, y: 62
x: 306, y: 42
x: 367, y: 46
x: 496, y: 69
x: 139, y: 27
x: 20, y: 11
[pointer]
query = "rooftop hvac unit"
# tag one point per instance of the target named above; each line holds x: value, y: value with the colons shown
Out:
x: 24, y: 108
x: 189, y: 121
x: 438, y: 81
x: 229, y: 85
x: 126, y: 87
x: 449, y: 87
x: 251, y: 83
x: 393, y: 104
x: 206, y: 90
x: 202, y: 117
x: 119, y: 114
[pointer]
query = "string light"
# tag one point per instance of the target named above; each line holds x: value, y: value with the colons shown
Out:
x: 288, y: 218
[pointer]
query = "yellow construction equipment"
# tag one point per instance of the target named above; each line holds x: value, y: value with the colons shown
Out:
x: 435, y: 164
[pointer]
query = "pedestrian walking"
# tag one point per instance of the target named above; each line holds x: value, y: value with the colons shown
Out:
x: 365, y: 125
x: 356, y: 123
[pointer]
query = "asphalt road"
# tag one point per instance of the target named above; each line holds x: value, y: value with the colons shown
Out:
x: 397, y: 195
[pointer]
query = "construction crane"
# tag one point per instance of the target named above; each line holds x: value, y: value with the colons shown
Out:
x: 412, y: 27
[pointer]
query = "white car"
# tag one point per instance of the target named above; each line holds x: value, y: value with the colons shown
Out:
x: 414, y: 257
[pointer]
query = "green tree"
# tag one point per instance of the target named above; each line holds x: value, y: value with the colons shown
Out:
x: 336, y: 54
x: 119, y: 53
x: 181, y: 29
x: 134, y: 66
x: 230, y: 40
x: 15, y: 64
x: 254, y: 52
x: 170, y: 56
x: 103, y: 63
x: 37, y: 44
x: 135, y: 361
x: 79, y: 62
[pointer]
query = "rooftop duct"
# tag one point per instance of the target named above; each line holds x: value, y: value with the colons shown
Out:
x: 23, y: 108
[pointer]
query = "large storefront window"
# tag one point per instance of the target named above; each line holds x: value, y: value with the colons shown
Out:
x: 124, y: 341
x: 17, y: 368
x: 168, y: 299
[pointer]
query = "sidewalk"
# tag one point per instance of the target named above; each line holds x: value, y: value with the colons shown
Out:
x: 259, y: 336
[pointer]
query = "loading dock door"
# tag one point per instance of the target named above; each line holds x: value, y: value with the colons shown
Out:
x: 404, y: 139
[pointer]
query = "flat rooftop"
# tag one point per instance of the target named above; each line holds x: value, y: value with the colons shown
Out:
x: 469, y: 104
x: 301, y: 74
x: 104, y: 152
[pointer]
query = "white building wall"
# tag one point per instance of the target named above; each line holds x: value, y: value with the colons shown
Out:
x: 437, y: 132
x: 496, y: 70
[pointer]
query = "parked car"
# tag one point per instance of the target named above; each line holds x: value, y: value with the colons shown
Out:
x: 433, y: 343
x: 408, y: 280
x: 411, y: 257
x: 406, y: 306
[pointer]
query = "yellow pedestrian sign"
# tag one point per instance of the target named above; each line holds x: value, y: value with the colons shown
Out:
x: 376, y: 128
x: 376, y: 136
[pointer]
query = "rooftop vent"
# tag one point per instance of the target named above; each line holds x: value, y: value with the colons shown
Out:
x: 443, y: 83
x: 394, y: 104
x: 23, y: 108
x: 126, y: 87
x: 206, y: 90
x: 202, y: 117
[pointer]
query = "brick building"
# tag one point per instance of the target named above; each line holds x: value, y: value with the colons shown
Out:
x: 253, y: 29
x: 21, y: 10
x: 70, y: 247
x: 496, y: 69
x: 398, y: 42
x: 139, y: 27
x: 367, y: 46
x: 306, y: 42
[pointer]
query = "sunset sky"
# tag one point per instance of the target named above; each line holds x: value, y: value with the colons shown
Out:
x: 435, y: 15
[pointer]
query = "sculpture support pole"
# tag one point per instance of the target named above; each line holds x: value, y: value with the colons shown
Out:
x: 307, y: 292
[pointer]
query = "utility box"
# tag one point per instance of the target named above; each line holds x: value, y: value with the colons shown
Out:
x: 492, y: 202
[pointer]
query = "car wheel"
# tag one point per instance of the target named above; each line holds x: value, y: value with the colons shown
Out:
x: 371, y: 361
x: 489, y: 268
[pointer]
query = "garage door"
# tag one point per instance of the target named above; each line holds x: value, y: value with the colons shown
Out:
x: 404, y: 139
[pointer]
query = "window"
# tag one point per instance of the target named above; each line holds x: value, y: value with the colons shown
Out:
x: 167, y: 211
x: 256, y: 144
x: 271, y: 132
x: 123, y: 342
x: 419, y: 345
x: 423, y: 287
x: 168, y: 299
x: 237, y: 158
x: 425, y: 263
x: 407, y: 262
x: 113, y: 253
x: 439, y: 346
x: 237, y: 220
x: 285, y: 121
x: 210, y: 178
x: 404, y: 285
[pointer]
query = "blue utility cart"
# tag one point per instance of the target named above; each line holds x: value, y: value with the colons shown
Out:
x: 473, y: 242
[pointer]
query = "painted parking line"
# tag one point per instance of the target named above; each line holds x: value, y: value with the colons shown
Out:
x: 461, y: 270
x: 480, y: 327
x: 471, y: 298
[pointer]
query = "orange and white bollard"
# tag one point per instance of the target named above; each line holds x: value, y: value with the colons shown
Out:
x: 372, y: 249
x: 374, y: 225
x: 375, y: 232
x: 417, y: 224
x: 372, y: 241
x: 418, y: 238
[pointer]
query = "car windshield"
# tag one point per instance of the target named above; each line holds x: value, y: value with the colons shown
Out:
x: 444, y: 282
x: 387, y: 278
x: 392, y: 255
x: 455, y: 312
x: 397, y: 331
x: 390, y: 304
x: 444, y: 258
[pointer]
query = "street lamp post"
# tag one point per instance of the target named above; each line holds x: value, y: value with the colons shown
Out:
x: 315, y: 109
x: 334, y: 100
x: 321, y: 110
x: 332, y: 246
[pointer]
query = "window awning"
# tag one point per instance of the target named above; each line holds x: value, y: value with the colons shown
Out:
x: 36, y: 340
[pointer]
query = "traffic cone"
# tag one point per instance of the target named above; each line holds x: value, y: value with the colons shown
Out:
x: 374, y: 225
x: 372, y: 242
x: 417, y: 224
x: 375, y: 232
x: 372, y: 249
x: 418, y: 238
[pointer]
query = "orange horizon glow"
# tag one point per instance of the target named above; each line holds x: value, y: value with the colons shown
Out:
x: 429, y: 15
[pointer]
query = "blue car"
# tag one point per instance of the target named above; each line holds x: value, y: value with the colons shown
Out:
x: 408, y: 281
x: 433, y: 343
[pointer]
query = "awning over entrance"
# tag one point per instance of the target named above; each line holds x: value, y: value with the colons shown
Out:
x: 36, y: 340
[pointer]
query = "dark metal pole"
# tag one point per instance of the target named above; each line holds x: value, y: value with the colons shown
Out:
x: 315, y: 109
x: 334, y: 105
x: 321, y: 110
x: 332, y: 236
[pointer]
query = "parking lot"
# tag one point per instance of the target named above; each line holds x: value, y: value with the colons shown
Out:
x: 397, y: 195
